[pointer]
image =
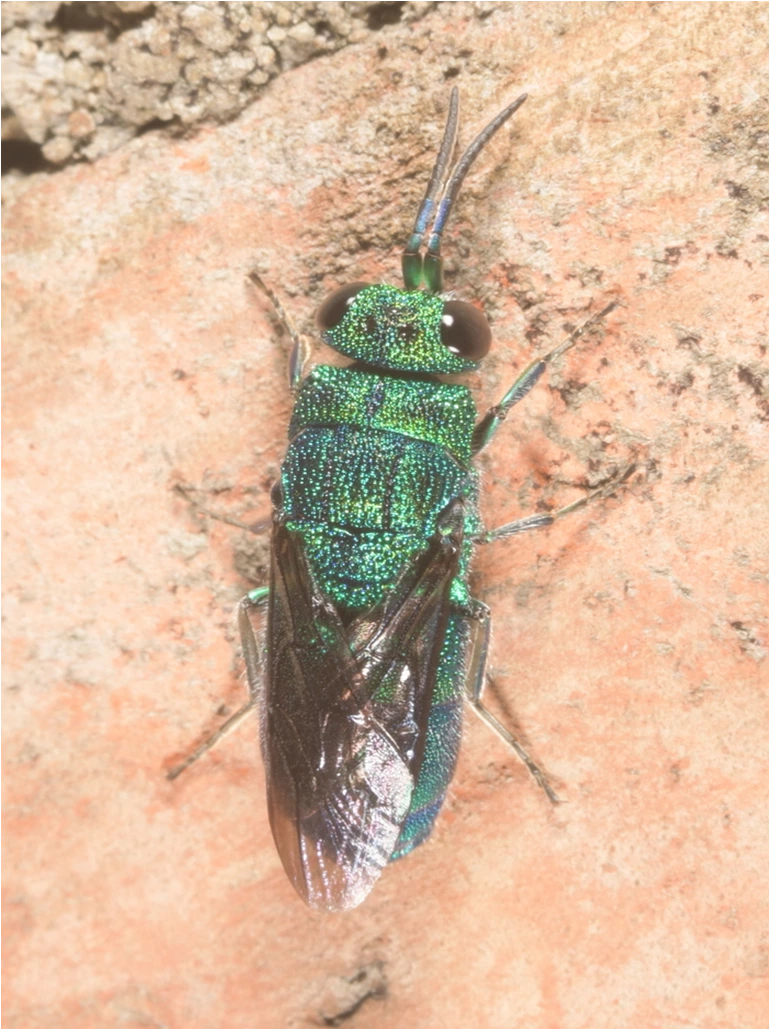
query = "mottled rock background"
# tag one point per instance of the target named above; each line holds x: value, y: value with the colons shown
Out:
x: 197, y: 140
x: 80, y: 79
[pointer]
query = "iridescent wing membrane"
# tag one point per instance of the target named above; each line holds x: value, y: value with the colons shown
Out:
x: 345, y: 716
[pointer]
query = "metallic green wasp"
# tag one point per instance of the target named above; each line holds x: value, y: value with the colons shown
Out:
x: 374, y: 641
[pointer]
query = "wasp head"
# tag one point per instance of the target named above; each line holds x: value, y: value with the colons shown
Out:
x: 404, y: 330
x: 416, y: 329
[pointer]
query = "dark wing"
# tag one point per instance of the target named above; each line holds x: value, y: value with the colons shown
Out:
x: 397, y: 645
x: 344, y: 719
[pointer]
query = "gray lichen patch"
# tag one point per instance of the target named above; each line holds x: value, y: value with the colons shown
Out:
x: 80, y: 78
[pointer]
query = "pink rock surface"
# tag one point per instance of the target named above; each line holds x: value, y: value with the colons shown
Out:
x: 629, y: 640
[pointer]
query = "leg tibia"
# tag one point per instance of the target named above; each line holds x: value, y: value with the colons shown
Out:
x: 256, y: 599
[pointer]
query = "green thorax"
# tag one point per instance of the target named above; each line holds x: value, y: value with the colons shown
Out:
x: 429, y: 410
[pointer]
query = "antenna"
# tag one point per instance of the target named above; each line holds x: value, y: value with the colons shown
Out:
x: 429, y: 271
x: 411, y: 260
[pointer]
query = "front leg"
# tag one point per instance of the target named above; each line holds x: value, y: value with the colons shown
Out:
x: 489, y: 424
x: 300, y: 349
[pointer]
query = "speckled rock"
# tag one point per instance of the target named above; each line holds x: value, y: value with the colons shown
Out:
x: 629, y: 642
x: 130, y: 65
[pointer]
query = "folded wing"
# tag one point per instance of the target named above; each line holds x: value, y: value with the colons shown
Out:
x: 344, y: 719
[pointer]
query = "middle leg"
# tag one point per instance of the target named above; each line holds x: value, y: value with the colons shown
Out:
x: 548, y: 518
x: 258, y: 528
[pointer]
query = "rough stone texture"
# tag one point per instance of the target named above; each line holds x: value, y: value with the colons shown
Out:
x: 80, y: 79
x: 629, y: 640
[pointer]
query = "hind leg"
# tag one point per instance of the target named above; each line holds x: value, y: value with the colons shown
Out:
x: 476, y: 680
x: 255, y: 600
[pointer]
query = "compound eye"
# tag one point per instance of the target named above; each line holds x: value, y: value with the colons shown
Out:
x: 333, y: 309
x: 464, y: 330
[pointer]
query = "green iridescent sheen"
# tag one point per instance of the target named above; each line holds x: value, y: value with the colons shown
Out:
x: 442, y: 742
x: 396, y: 329
x: 440, y: 413
x: 374, y: 460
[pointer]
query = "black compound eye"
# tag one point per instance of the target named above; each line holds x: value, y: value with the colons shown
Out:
x: 464, y: 330
x: 333, y: 309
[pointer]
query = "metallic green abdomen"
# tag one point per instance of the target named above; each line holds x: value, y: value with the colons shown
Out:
x: 365, y: 501
x: 373, y: 462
